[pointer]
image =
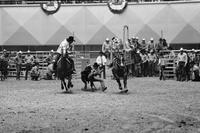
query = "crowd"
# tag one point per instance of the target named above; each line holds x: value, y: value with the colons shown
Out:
x: 29, y: 62
x: 147, y: 59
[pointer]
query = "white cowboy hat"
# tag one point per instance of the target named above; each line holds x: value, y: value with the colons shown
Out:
x: 4, y: 50
x: 20, y: 52
x: 107, y: 39
x: 28, y: 51
x: 181, y: 49
x: 151, y: 39
x: 143, y: 39
x: 52, y: 51
x: 137, y: 38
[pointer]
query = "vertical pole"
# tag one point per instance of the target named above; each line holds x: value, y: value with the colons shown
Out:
x: 161, y: 33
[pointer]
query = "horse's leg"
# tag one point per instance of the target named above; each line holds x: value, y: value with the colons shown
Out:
x: 117, y: 78
x: 125, y: 83
x: 65, y: 86
x: 62, y: 86
x: 70, y: 85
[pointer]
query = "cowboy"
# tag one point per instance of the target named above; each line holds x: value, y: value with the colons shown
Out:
x: 143, y: 44
x: 65, y: 47
x: 151, y: 61
x: 182, y: 60
x: 35, y: 73
x: 159, y: 45
x: 106, y: 48
x: 162, y: 64
x: 137, y: 64
x: 28, y: 63
x: 115, y: 44
x: 101, y: 61
x: 3, y: 54
x: 144, y: 64
x: 151, y: 45
x: 18, y: 61
x: 93, y: 76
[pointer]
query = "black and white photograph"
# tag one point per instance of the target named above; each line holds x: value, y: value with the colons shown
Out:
x: 99, y: 66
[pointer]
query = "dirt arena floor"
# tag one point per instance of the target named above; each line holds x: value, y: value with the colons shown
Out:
x: 150, y: 106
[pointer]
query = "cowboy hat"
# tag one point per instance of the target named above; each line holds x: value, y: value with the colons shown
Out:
x: 20, y: 52
x: 70, y: 39
x: 181, y: 49
x: 95, y: 65
x: 107, y: 39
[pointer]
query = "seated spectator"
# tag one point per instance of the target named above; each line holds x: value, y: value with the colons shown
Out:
x: 50, y: 72
x: 195, y: 72
x: 35, y: 73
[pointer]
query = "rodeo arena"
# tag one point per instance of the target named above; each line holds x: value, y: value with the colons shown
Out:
x: 99, y: 66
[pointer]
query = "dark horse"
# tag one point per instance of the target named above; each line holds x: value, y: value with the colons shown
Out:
x: 3, y: 69
x: 64, y: 71
x: 119, y: 70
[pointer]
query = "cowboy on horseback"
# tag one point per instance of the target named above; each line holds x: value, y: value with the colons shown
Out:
x: 65, y: 47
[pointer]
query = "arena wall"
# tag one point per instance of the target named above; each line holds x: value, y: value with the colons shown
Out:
x: 28, y: 26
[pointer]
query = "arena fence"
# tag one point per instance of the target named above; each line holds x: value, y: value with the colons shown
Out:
x: 83, y: 58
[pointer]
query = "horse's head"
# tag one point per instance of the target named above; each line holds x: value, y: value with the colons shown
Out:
x: 119, y: 60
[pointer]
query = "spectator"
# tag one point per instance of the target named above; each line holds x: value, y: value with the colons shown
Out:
x: 151, y: 63
x: 50, y: 58
x: 101, y: 61
x: 143, y: 44
x: 28, y: 63
x: 35, y: 73
x: 162, y: 63
x: 159, y: 45
x: 137, y: 64
x: 144, y: 64
x: 151, y: 45
x: 196, y: 72
x: 18, y: 61
x: 106, y: 48
x: 182, y: 62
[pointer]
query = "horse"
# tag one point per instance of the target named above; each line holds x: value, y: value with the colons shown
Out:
x: 85, y: 79
x: 120, y: 70
x: 64, y: 71
x: 3, y: 69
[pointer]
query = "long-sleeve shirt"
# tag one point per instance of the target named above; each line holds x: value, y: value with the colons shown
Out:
x: 162, y: 61
x: 106, y: 47
x: 182, y: 57
x: 29, y: 59
x: 152, y: 57
x: 18, y: 60
x: 101, y: 60
x: 64, y: 47
x: 144, y: 58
